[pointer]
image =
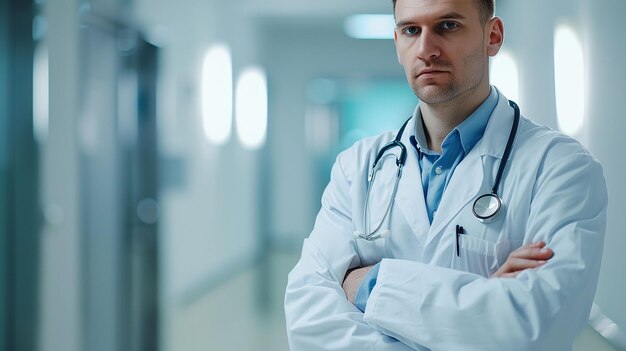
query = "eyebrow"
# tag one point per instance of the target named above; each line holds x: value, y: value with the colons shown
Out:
x: 449, y: 15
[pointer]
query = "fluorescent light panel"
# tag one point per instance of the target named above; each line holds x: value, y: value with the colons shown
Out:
x: 217, y: 94
x: 370, y: 26
x: 251, y: 107
x: 40, y: 93
x: 569, y: 79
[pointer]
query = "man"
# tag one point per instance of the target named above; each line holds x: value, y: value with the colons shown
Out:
x: 438, y: 277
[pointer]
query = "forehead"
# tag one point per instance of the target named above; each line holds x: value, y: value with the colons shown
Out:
x: 418, y: 10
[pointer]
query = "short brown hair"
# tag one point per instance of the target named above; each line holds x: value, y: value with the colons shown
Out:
x: 487, y: 8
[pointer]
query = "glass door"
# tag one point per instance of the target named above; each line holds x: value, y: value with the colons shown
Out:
x: 119, y: 187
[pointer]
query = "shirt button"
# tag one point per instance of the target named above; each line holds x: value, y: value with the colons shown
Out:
x: 438, y: 170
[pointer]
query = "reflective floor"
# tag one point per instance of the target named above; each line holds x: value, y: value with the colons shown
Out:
x: 238, y: 315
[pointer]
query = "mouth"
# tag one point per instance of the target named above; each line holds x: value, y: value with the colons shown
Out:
x: 429, y: 73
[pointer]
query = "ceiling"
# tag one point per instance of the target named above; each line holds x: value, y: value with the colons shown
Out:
x: 307, y: 9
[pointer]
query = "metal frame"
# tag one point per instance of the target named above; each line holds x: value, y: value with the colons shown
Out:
x: 19, y: 180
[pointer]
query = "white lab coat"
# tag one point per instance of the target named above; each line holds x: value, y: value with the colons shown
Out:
x: 425, y: 296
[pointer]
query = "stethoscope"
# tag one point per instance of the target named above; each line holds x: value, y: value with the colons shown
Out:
x: 487, y: 208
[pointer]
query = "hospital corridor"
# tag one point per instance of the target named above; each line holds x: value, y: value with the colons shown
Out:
x: 162, y: 163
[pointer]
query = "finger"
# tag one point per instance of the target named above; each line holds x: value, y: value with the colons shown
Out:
x: 533, y: 253
x: 509, y: 275
x: 518, y: 264
x: 538, y: 244
x: 506, y: 272
x: 530, y: 246
x: 522, y: 263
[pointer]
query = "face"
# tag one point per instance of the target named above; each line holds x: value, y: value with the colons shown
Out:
x: 444, y: 47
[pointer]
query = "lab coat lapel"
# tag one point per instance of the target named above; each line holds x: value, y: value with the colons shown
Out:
x: 465, y: 184
x: 410, y: 196
x: 468, y: 178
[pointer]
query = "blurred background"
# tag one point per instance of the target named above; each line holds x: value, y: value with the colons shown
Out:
x: 161, y: 161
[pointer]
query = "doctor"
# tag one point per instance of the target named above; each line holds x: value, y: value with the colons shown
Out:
x: 412, y: 260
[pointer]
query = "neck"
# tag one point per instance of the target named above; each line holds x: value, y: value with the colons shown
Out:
x: 440, y: 119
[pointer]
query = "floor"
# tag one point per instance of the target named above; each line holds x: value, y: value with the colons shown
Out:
x: 242, y: 314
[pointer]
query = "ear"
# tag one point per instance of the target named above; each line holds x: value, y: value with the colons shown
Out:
x: 495, y: 29
x: 395, y: 41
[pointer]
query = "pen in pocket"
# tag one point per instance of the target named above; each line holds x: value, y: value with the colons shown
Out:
x: 459, y: 231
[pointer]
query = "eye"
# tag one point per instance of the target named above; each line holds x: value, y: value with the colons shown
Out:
x: 410, y: 31
x: 449, y: 25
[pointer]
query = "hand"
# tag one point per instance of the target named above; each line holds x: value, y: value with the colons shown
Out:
x: 353, y: 280
x: 528, y: 256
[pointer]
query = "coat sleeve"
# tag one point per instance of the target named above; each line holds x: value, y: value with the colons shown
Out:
x: 318, y: 314
x: 540, y: 309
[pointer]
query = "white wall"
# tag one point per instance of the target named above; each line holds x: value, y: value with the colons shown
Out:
x: 606, y: 49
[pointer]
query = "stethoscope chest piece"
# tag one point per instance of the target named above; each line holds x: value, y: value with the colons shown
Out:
x: 487, y: 208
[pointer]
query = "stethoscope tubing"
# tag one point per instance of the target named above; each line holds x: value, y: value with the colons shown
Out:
x: 382, y: 156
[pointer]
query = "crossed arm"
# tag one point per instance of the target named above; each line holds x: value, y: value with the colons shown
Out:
x: 533, y: 255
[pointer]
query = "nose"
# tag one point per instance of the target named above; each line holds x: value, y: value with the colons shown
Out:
x: 428, y: 46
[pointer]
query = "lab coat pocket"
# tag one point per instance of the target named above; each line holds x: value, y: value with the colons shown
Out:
x: 475, y: 255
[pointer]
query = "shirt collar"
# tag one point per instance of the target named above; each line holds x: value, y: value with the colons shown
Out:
x: 469, y: 131
x: 420, y: 134
x: 473, y: 127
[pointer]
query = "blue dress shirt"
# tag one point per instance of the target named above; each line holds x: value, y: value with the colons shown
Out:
x: 437, y: 168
